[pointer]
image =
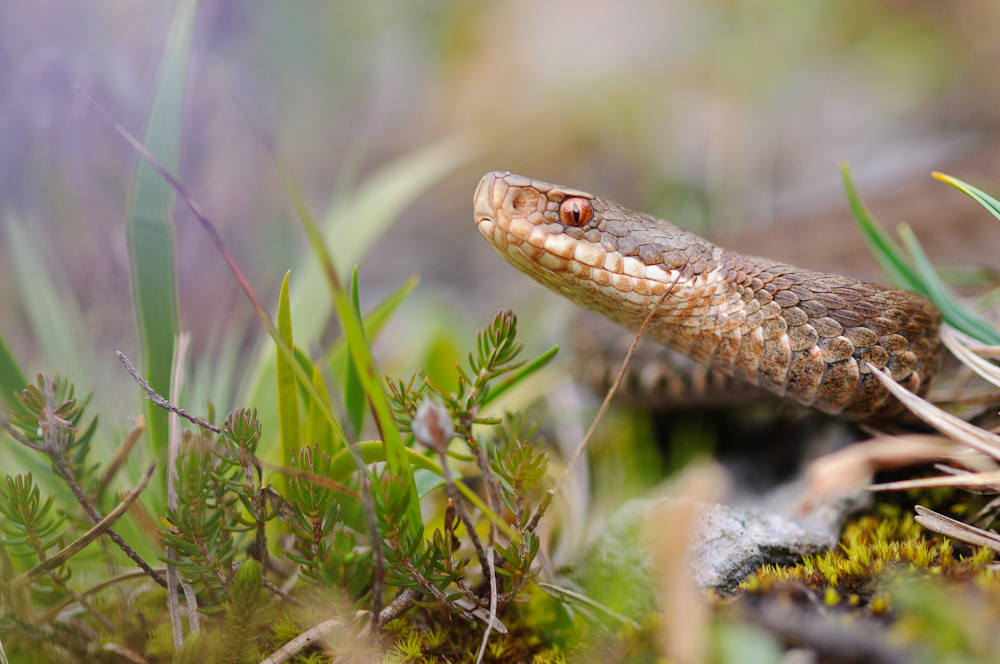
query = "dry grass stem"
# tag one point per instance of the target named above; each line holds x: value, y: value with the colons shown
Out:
x: 685, y: 624
x: 852, y: 468
x: 75, y: 547
x: 614, y: 387
x: 953, y: 427
x: 964, y: 348
x: 971, y: 480
x: 181, y: 344
x: 949, y: 527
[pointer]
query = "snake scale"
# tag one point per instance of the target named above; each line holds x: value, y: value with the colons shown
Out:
x: 804, y: 335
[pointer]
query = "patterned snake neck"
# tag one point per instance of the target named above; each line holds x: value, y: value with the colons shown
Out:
x: 804, y: 335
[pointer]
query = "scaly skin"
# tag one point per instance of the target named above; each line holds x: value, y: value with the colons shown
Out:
x: 804, y: 335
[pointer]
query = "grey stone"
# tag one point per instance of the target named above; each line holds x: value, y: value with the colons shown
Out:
x: 729, y: 544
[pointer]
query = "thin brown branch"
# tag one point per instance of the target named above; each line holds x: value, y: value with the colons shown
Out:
x: 283, y: 594
x: 402, y: 602
x: 95, y: 516
x: 160, y: 401
x: 614, y: 388
x: 131, y: 438
x: 75, y: 547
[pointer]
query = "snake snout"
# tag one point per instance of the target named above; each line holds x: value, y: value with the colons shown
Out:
x: 482, y: 200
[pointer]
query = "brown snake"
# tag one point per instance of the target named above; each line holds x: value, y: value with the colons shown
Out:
x: 804, y: 335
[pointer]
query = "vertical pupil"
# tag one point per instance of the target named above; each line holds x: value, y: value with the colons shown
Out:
x: 576, y: 212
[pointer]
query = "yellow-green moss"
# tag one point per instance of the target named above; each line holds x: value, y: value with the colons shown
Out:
x: 873, y: 550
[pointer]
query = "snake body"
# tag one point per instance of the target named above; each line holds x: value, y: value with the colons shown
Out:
x: 804, y: 335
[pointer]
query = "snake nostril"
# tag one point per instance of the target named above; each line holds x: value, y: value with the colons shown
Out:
x: 525, y: 201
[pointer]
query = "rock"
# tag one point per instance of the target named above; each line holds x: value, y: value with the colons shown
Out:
x: 728, y: 544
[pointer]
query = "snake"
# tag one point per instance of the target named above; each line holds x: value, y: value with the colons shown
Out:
x: 807, y: 336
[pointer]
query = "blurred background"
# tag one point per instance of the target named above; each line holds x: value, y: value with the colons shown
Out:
x: 726, y: 117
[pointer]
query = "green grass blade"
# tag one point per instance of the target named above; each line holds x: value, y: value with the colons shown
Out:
x: 12, y: 379
x: 374, y: 322
x: 151, y: 229
x: 354, y: 392
x: 888, y: 254
x: 361, y: 355
x: 953, y: 312
x: 55, y: 320
x: 353, y: 226
x: 520, y: 375
x: 984, y: 199
x: 318, y: 431
x: 288, y: 400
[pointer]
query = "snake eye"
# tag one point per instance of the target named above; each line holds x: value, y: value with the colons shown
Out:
x: 576, y: 212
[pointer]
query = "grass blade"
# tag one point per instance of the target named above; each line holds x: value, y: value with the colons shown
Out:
x: 361, y: 355
x: 352, y: 226
x: 318, y: 431
x: 374, y: 322
x: 288, y: 400
x: 521, y: 374
x: 12, y: 380
x: 984, y: 199
x: 956, y: 315
x: 56, y: 321
x: 354, y: 393
x: 889, y: 255
x: 151, y: 229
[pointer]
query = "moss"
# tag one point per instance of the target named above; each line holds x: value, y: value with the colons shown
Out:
x: 875, y: 555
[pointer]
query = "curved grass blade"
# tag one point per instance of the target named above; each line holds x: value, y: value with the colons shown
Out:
x: 521, y: 374
x: 360, y: 353
x: 351, y: 227
x: 151, y: 229
x: 953, y: 312
x: 981, y: 197
x: 914, y: 271
x: 354, y: 392
x: 12, y: 380
x: 336, y: 356
x: 55, y: 319
x: 890, y: 256
x: 288, y: 399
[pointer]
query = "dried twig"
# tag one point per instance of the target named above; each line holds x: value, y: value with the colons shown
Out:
x: 949, y: 527
x: 53, y: 446
x: 127, y: 653
x: 493, y: 606
x: 160, y: 401
x: 611, y: 392
x: 851, y: 468
x: 173, y: 455
x: 397, y: 606
x: 121, y: 454
x: 951, y: 426
x: 75, y: 547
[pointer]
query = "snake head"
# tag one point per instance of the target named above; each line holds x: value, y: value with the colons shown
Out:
x: 592, y: 250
